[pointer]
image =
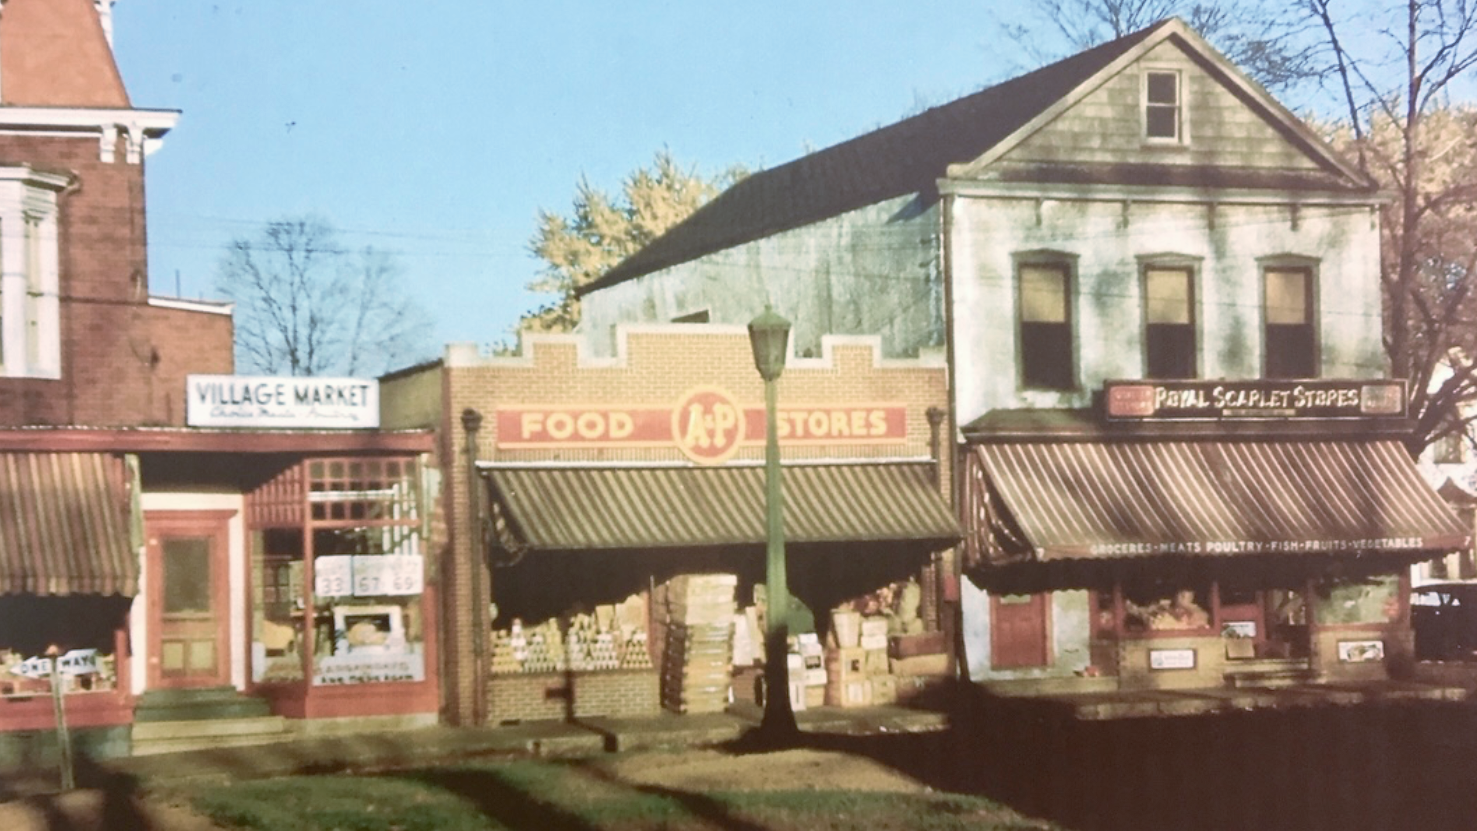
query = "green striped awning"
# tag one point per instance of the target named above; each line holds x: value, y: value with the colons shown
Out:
x: 559, y: 508
x: 1069, y: 500
x: 64, y: 525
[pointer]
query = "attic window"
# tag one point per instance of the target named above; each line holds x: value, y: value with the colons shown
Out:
x: 1163, y: 119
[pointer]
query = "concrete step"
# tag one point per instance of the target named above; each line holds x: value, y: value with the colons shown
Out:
x: 154, y: 737
x: 199, y: 704
x: 1290, y: 675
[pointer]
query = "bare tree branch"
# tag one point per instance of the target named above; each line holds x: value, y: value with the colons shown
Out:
x: 306, y: 306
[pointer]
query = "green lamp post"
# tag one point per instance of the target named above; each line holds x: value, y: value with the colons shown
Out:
x: 769, y: 335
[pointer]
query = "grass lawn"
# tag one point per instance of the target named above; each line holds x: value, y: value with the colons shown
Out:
x: 555, y: 795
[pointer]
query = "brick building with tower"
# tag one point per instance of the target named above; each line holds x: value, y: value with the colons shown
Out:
x: 157, y: 540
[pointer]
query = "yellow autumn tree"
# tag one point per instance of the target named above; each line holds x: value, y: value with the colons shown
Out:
x: 600, y: 231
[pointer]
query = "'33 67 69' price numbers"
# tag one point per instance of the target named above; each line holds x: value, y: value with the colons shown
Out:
x: 368, y: 576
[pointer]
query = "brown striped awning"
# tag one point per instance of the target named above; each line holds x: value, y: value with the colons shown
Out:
x: 556, y: 508
x: 1063, y: 500
x: 64, y: 525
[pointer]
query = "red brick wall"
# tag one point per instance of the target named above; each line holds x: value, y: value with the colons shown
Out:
x: 123, y: 362
x: 552, y: 696
x: 656, y: 369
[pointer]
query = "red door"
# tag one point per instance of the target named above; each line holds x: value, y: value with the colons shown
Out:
x: 188, y: 619
x: 1019, y: 634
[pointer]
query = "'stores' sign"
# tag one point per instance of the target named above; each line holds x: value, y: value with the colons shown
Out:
x: 705, y: 423
x: 265, y: 402
x: 1269, y: 399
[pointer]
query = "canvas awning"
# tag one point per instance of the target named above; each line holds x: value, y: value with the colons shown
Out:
x: 1093, y: 499
x: 562, y: 508
x: 64, y: 525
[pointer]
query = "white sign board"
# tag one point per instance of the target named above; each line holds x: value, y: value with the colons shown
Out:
x: 369, y: 669
x: 342, y: 575
x: 1171, y: 659
x: 266, y: 402
x: 333, y: 576
x: 388, y: 574
x: 74, y: 662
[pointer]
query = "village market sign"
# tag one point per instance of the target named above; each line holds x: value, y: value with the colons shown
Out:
x: 1256, y: 399
x: 265, y: 402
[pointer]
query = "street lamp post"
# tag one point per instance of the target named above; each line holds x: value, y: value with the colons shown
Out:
x: 769, y: 335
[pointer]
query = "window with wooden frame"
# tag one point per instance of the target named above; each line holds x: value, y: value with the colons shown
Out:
x: 1170, y: 348
x: 1164, y: 107
x: 1047, y: 356
x: 1290, y: 339
x: 30, y: 339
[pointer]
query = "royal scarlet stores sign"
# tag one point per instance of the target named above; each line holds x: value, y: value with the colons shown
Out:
x: 705, y: 423
x: 266, y: 402
x: 1264, y: 399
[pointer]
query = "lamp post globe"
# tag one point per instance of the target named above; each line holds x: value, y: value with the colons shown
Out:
x: 769, y: 335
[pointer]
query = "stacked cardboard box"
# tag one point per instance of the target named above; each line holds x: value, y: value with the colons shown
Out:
x: 697, y: 662
x: 858, y: 674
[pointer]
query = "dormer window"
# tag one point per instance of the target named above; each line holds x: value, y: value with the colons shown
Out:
x: 1164, y: 107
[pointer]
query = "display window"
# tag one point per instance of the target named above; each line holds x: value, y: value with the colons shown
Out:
x: 339, y: 590
x: 1351, y: 601
x: 1167, y: 607
x: 86, y: 630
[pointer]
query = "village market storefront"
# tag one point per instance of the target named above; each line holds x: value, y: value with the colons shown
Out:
x: 220, y: 574
x: 1201, y: 535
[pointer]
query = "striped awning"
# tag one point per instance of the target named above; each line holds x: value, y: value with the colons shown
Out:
x: 64, y: 525
x: 1065, y: 500
x: 579, y: 508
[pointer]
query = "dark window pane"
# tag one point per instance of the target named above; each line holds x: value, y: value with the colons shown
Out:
x: 1163, y: 88
x: 1171, y: 350
x: 1162, y: 122
x: 1290, y: 352
x: 186, y: 574
x: 1046, y: 356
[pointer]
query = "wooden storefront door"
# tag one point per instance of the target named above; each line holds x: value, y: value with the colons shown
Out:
x: 187, y: 580
x: 1019, y: 631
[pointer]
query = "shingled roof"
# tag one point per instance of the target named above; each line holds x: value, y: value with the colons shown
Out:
x: 902, y: 158
x: 912, y: 155
x: 53, y: 53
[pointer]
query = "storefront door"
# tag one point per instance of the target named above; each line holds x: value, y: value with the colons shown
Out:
x: 1018, y: 630
x: 188, y: 620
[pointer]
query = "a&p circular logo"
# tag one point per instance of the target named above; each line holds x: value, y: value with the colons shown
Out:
x: 707, y: 425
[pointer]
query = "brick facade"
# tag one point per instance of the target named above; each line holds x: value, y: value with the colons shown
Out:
x: 548, y: 696
x: 123, y: 360
x: 654, y: 367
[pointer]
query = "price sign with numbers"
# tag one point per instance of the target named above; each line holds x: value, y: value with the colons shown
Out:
x: 389, y: 574
x: 333, y: 576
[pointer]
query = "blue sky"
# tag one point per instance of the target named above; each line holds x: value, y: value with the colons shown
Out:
x: 437, y: 129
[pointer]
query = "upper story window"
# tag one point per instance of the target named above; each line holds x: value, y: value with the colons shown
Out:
x: 1046, y: 351
x: 1169, y: 322
x: 30, y: 329
x: 1290, y: 342
x: 1164, y: 107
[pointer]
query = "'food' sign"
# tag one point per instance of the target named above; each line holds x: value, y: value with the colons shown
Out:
x: 705, y: 423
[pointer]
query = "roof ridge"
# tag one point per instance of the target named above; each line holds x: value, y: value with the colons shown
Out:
x: 995, y: 111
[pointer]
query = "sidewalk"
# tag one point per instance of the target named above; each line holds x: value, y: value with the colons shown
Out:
x: 368, y: 751
x: 436, y: 745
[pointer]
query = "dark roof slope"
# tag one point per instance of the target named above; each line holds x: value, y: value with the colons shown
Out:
x: 906, y: 157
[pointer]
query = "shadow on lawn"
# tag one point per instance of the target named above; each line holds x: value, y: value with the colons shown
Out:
x: 1374, y: 767
x: 499, y: 799
x: 509, y: 804
x: 119, y: 808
